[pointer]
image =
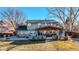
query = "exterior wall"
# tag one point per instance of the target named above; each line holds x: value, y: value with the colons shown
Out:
x: 39, y: 25
x: 32, y: 26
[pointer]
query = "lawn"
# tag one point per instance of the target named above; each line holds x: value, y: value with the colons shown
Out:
x: 66, y: 46
x: 5, y: 43
x: 47, y: 46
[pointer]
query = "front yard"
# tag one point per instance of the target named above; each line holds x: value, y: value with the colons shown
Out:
x: 45, y: 46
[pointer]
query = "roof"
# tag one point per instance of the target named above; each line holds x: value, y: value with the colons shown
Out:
x: 72, y: 32
x: 49, y: 28
x: 8, y: 33
x: 41, y: 21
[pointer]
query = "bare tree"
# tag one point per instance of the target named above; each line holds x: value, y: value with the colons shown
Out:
x: 13, y: 15
x: 68, y: 16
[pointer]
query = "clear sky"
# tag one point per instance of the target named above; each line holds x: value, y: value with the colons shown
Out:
x: 33, y: 13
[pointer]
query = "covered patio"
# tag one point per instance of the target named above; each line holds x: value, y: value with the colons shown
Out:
x: 48, y: 29
x: 49, y: 32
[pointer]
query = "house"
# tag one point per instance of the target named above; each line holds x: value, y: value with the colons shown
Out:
x: 33, y: 27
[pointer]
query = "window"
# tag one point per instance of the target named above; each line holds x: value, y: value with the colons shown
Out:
x: 22, y: 28
x: 29, y: 24
x: 39, y: 24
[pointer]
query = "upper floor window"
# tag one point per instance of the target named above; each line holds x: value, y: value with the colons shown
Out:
x: 39, y: 24
x: 29, y: 24
x: 51, y: 24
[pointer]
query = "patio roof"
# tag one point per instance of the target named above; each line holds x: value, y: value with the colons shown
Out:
x: 49, y: 28
x: 8, y: 32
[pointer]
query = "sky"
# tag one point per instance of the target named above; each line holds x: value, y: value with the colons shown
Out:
x: 32, y: 13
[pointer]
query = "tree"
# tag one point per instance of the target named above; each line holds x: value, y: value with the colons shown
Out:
x: 13, y: 16
x: 68, y: 16
x: 1, y: 26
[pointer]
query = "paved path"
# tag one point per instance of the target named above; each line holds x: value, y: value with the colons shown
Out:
x: 7, y: 48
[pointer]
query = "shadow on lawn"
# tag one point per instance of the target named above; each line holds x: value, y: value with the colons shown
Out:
x: 22, y: 42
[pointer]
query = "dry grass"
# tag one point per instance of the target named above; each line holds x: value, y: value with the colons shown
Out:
x: 35, y: 47
x: 4, y: 43
x: 66, y: 46
x: 49, y: 46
